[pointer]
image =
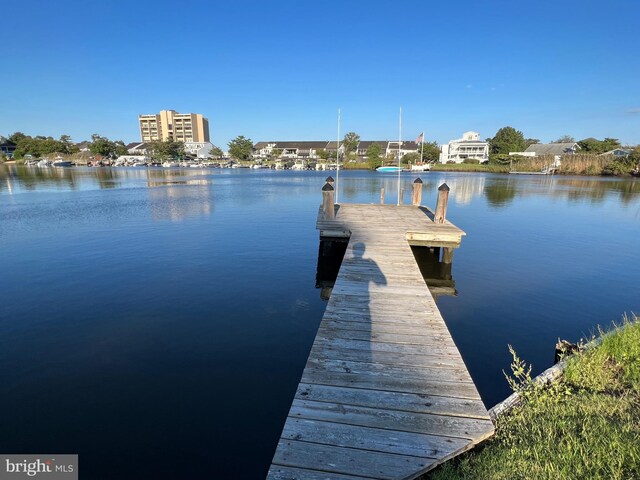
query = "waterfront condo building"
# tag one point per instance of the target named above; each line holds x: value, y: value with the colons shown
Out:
x: 171, y: 125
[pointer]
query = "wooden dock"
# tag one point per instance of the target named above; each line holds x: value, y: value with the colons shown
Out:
x: 385, y: 393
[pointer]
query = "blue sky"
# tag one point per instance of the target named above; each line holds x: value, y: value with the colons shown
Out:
x: 280, y: 70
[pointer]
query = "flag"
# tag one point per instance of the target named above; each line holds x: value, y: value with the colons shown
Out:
x: 420, y: 138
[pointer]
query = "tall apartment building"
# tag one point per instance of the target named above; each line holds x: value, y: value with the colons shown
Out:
x: 171, y: 125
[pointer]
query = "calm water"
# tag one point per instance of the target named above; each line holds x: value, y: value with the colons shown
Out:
x: 156, y: 322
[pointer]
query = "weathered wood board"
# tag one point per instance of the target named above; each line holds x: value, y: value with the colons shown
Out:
x: 385, y: 393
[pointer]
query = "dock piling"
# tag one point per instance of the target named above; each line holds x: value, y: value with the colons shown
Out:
x: 417, y: 192
x: 328, y: 206
x: 441, y: 205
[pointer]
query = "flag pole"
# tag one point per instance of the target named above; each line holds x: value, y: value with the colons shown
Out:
x: 338, y: 156
x: 399, y: 145
x: 422, y: 149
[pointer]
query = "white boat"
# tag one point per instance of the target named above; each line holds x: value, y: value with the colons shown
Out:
x: 421, y: 168
x: 44, y: 163
x: 170, y: 164
x: 61, y: 163
x: 389, y: 169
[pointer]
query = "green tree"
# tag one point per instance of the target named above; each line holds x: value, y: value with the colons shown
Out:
x: 506, y: 140
x: 350, y: 142
x: 215, y: 152
x: 241, y: 148
x: 373, y: 156
x: 37, y: 146
x: 166, y: 149
x: 276, y: 152
x: 103, y: 146
x: 565, y: 139
x: 593, y: 145
x: 322, y: 153
x: 430, y: 152
x: 411, y: 157
x: 120, y: 148
x: 16, y: 137
x: 67, y: 145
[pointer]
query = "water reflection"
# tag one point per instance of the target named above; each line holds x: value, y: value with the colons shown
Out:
x: 500, y: 193
x: 175, y: 198
x: 355, y: 186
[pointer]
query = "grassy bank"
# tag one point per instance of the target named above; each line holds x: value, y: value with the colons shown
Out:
x: 587, y: 425
x: 470, y: 167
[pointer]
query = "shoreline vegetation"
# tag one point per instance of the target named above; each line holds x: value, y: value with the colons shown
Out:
x: 584, y: 425
x: 582, y: 164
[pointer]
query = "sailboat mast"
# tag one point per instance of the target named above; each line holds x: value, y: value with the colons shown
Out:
x: 399, y: 144
x: 338, y: 156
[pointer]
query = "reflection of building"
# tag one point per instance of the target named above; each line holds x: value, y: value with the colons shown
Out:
x: 178, y: 196
x: 469, y: 146
x: 171, y: 125
x: 464, y: 188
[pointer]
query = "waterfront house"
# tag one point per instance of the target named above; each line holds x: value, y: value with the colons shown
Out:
x: 7, y: 148
x: 137, y: 148
x: 331, y: 148
x: 290, y: 150
x: 388, y: 148
x: 468, y: 147
x: 618, y: 152
x: 364, y: 145
x: 83, y: 146
x: 555, y: 149
x: 198, y: 149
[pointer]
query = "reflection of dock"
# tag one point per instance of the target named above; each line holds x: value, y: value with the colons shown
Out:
x: 385, y: 393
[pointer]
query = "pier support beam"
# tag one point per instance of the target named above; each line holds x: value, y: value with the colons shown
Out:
x: 328, y: 203
x: 416, y: 199
x: 447, y: 255
x: 441, y: 206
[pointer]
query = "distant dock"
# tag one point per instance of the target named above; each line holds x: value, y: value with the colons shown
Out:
x: 385, y: 393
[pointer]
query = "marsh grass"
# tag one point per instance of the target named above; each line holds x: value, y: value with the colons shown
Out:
x: 586, y: 425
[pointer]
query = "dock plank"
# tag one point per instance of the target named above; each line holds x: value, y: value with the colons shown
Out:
x: 385, y: 393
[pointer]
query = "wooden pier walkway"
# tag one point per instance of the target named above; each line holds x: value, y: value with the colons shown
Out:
x: 385, y: 393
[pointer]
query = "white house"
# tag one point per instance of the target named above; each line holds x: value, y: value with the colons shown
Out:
x: 469, y: 146
x: 199, y: 149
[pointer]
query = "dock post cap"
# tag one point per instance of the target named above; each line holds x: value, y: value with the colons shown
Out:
x: 417, y: 180
x: 329, y: 179
x: 444, y: 187
x: 327, y: 188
